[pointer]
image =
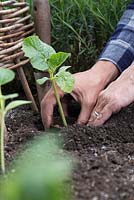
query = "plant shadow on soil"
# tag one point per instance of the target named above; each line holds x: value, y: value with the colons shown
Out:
x: 104, y: 155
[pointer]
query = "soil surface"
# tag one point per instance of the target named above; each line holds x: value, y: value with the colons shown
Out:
x: 104, y: 155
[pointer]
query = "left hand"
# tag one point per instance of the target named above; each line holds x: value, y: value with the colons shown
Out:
x: 119, y: 94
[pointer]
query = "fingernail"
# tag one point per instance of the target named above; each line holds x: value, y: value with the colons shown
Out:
x: 80, y: 122
x: 91, y: 119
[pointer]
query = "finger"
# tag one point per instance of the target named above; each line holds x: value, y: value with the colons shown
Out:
x: 65, y: 102
x: 101, y: 103
x: 65, y: 108
x: 47, y: 107
x: 95, y: 114
x: 102, y: 117
x: 84, y: 113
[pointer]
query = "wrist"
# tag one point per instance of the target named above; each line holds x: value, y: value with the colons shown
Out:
x: 106, y: 71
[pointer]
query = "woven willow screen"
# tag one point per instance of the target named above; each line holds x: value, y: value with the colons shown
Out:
x: 15, y: 24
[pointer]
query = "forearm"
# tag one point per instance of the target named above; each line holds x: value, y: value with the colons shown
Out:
x: 120, y: 48
x: 105, y: 72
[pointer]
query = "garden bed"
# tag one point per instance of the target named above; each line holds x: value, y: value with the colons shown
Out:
x: 104, y: 155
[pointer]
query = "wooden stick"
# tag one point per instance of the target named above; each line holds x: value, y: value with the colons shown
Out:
x: 42, y: 20
x: 10, y: 20
x: 19, y: 12
x: 27, y: 26
x: 10, y: 57
x: 6, y: 45
x: 28, y: 32
x: 26, y: 88
x: 24, y: 19
x: 8, y: 11
x: 11, y: 35
x: 6, y: 65
x: 17, y: 46
x: 19, y: 64
x: 2, y: 56
x: 9, y: 28
x: 43, y: 30
x: 18, y: 4
x: 7, y: 3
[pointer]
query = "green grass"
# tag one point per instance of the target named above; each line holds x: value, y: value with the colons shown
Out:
x: 82, y: 27
x: 30, y: 2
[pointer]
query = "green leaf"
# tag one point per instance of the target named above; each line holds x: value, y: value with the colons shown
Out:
x: 15, y: 104
x: 42, y: 80
x: 38, y: 62
x: 57, y: 59
x: 10, y: 96
x: 63, y: 68
x: 65, y: 81
x: 37, y: 51
x: 42, y: 172
x: 6, y: 76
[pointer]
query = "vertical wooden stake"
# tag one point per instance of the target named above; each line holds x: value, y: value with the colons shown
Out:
x: 41, y: 10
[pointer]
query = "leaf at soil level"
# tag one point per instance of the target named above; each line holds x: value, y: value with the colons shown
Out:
x: 6, y: 75
x: 16, y: 103
x: 42, y: 172
x: 9, y: 96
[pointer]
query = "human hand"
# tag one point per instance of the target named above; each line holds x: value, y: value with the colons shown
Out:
x: 119, y: 94
x: 88, y: 85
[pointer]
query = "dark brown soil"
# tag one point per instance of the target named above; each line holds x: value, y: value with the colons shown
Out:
x: 104, y: 155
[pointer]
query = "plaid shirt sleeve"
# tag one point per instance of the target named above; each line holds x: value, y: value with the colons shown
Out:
x: 120, y: 48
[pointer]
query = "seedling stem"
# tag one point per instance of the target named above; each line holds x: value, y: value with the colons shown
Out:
x: 2, y: 125
x: 58, y: 99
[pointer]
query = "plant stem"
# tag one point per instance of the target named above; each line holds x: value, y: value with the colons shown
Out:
x: 58, y: 100
x: 2, y: 124
x: 2, y: 144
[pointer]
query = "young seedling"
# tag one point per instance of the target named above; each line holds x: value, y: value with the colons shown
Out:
x: 44, y: 58
x: 6, y: 75
x: 42, y: 172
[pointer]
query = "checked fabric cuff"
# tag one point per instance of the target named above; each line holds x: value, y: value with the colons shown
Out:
x: 120, y: 48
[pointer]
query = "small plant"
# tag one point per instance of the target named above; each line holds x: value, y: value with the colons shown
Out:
x: 6, y: 75
x: 44, y: 58
x: 42, y: 172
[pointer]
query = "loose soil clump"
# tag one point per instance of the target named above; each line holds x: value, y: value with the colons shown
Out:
x: 104, y: 155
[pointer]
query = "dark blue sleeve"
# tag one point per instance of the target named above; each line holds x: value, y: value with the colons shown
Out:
x: 120, y: 48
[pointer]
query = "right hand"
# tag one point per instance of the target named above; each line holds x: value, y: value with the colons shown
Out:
x: 88, y: 85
